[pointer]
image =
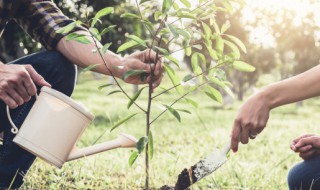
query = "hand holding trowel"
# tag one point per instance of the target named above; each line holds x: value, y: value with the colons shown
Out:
x: 201, y: 169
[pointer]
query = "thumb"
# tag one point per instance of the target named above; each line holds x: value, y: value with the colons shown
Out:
x: 37, y: 78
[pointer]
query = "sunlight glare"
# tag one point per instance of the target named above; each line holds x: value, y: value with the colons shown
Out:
x: 252, y: 13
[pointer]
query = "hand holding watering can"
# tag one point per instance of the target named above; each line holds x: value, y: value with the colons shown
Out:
x: 53, y: 126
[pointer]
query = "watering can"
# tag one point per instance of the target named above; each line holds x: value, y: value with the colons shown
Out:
x: 53, y: 126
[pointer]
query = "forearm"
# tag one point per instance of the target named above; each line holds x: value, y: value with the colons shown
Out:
x: 83, y: 55
x: 297, y: 88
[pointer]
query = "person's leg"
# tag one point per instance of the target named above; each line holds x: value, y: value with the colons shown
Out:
x: 61, y: 74
x: 305, y: 175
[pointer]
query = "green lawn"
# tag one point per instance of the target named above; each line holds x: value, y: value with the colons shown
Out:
x: 262, y: 164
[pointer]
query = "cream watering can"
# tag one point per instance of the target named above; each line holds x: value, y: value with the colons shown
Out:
x: 53, y: 126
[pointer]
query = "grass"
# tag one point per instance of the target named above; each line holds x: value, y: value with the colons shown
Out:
x: 262, y: 164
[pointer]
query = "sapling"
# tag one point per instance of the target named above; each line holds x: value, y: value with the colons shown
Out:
x: 172, y: 26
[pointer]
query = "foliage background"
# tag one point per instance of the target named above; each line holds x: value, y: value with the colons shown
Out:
x: 281, y: 40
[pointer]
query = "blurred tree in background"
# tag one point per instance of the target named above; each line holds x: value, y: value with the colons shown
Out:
x: 279, y: 40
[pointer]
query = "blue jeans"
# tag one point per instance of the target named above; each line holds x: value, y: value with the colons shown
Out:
x: 305, y: 175
x: 61, y: 74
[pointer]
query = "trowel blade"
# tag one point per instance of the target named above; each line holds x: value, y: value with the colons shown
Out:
x: 202, y: 168
x: 209, y: 164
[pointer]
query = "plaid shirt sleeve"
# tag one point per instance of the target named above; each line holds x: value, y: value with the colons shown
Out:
x: 41, y: 19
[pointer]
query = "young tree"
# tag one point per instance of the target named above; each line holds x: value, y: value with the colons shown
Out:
x: 172, y: 26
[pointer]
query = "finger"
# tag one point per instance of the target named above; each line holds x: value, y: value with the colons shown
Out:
x: 150, y: 68
x: 292, y: 147
x: 235, y: 136
x: 307, y: 155
x: 304, y: 149
x: 303, y: 142
x: 30, y: 87
x: 149, y: 56
x: 156, y: 83
x: 159, y: 68
x: 38, y: 79
x: 301, y: 137
x: 244, y: 136
x: 9, y: 101
x: 15, y: 96
x: 21, y: 89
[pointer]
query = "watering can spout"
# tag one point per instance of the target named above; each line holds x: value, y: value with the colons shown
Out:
x: 123, y: 141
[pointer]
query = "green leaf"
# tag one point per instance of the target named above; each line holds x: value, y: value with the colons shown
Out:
x: 221, y: 74
x: 148, y: 24
x: 141, y: 144
x: 219, y: 45
x: 143, y: 1
x: 113, y: 92
x: 135, y: 97
x: 90, y: 67
x: 157, y: 15
x: 211, y: 51
x: 222, y: 85
x: 162, y: 50
x: 173, y: 30
x: 186, y: 3
x: 133, y: 158
x: 130, y: 15
x: 192, y: 102
x: 234, y: 48
x: 202, y: 58
x: 188, y: 51
x: 215, y: 26
x: 242, y: 66
x: 166, y: 5
x: 73, y: 35
x: 101, y: 13
x: 185, y: 15
x: 207, y: 31
x: 132, y: 73
x: 150, y: 144
x: 173, y: 60
x: 95, y: 33
x: 228, y: 91
x: 83, y: 40
x: 120, y: 122
x: 94, y: 21
x: 138, y: 40
x: 225, y: 27
x: 174, y: 78
x: 106, y: 47
x: 214, y: 94
x: 238, y: 42
x: 104, y: 12
x: 104, y: 86
x: 217, y: 81
x: 187, y: 77
x: 195, y: 64
x: 227, y: 5
x: 173, y: 112
x: 106, y: 30
x: 69, y: 27
x: 175, y: 6
x: 185, y: 111
x: 127, y: 45
x: 186, y: 35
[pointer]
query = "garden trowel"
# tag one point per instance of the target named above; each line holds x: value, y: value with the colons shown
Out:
x: 203, y: 168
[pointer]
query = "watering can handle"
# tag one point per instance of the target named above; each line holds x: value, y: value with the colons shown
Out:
x: 14, y: 129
